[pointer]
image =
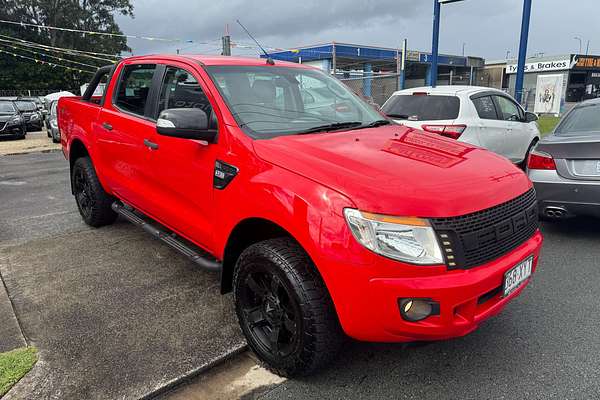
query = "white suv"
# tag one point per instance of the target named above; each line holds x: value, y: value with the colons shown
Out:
x: 481, y: 116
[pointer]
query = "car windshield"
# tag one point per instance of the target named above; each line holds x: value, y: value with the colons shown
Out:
x: 422, y: 107
x: 272, y: 101
x: 26, y: 106
x: 583, y: 119
x: 6, y: 107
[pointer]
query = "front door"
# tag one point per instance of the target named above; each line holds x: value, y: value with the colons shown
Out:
x: 184, y: 168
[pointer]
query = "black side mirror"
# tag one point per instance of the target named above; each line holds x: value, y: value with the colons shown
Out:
x: 530, y: 117
x: 185, y: 123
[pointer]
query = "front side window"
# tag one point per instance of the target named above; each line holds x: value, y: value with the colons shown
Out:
x: 271, y: 101
x: 583, y: 119
x: 485, y: 107
x: 134, y: 87
x: 181, y: 90
x: 507, y: 109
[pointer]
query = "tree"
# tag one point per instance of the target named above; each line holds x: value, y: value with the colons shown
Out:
x: 89, y: 15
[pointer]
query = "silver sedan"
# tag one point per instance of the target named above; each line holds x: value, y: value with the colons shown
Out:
x: 565, y: 166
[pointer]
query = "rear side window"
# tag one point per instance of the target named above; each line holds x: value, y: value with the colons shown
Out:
x: 134, y: 87
x: 485, y: 107
x: 422, y: 107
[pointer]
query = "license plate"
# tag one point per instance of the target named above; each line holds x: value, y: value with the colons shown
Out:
x: 586, y: 167
x: 514, y: 277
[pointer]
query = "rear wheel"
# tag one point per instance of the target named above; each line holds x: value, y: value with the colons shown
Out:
x: 284, y: 308
x: 93, y: 202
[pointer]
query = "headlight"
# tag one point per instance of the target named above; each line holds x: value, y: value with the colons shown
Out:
x: 16, y: 119
x: 407, y: 239
x: 35, y: 116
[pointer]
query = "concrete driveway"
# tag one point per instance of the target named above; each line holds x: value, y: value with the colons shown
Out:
x: 114, y: 313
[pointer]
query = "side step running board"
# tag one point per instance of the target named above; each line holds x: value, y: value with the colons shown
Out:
x: 205, y: 260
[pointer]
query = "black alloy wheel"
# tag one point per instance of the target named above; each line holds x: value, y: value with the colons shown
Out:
x: 284, y: 308
x: 269, y: 312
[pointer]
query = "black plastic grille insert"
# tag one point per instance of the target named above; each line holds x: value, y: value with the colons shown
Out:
x: 483, y: 236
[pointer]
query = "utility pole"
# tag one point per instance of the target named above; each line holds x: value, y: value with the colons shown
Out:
x: 226, y: 40
x: 522, y: 50
x: 403, y: 64
x: 435, y: 43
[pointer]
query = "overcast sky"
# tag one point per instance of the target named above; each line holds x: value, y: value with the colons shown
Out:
x: 489, y: 28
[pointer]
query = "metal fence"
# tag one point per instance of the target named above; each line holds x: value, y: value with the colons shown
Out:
x: 384, y: 85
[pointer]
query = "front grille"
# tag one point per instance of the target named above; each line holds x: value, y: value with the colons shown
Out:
x: 475, y: 239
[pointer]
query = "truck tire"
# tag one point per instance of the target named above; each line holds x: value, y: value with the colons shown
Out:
x: 93, y: 202
x: 284, y: 308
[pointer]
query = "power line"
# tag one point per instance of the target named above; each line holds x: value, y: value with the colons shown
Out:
x: 45, y: 62
x: 85, y: 32
x: 77, y: 53
x: 46, y: 55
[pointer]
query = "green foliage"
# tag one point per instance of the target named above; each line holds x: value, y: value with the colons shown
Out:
x: 547, y: 123
x: 14, y: 365
x: 89, y: 15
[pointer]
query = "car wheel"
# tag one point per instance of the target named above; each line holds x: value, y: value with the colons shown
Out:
x: 284, y: 308
x: 55, y: 136
x: 48, y: 133
x: 93, y: 202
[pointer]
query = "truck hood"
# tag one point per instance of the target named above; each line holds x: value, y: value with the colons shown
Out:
x: 399, y: 170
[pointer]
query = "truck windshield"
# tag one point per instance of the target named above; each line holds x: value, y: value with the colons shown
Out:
x: 273, y: 101
x: 6, y: 107
x: 26, y: 105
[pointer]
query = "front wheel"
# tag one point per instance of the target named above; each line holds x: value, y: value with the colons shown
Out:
x: 284, y: 308
x: 93, y: 202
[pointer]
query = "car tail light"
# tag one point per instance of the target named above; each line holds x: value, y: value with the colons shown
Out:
x: 451, y: 131
x: 540, y: 160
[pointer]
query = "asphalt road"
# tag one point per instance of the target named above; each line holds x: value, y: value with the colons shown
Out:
x: 545, y: 345
x: 114, y: 313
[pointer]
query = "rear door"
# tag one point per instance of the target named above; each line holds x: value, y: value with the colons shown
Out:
x: 518, y: 132
x: 492, y: 130
x: 124, y: 129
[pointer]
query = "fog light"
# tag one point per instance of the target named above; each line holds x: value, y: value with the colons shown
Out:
x: 414, y: 310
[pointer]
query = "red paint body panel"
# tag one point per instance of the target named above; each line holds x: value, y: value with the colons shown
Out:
x: 302, y: 183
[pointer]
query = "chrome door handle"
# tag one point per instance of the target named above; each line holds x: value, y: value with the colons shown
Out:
x: 107, y: 126
x: 150, y: 145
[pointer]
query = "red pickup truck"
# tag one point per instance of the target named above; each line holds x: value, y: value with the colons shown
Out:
x: 323, y: 217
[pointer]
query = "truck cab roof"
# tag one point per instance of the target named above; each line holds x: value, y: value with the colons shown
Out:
x: 210, y: 60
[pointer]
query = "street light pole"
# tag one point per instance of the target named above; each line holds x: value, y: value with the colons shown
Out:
x: 435, y: 43
x: 522, y: 50
x: 578, y: 38
x: 435, y: 39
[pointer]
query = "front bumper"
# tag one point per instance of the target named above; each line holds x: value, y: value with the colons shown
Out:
x: 10, y: 128
x: 466, y: 298
x: 576, y: 197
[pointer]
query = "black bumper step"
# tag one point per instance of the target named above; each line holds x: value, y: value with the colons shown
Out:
x: 199, y: 257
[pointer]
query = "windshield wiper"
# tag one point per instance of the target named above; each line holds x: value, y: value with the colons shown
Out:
x: 398, y: 116
x: 379, y: 122
x: 331, y: 127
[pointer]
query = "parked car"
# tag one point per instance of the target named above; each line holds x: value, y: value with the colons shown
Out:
x: 11, y: 121
x: 565, y: 165
x: 31, y: 115
x: 40, y: 104
x: 53, y: 121
x: 322, y: 224
x: 481, y: 116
